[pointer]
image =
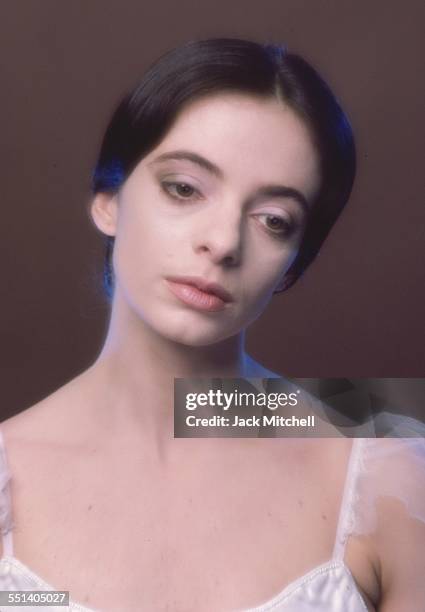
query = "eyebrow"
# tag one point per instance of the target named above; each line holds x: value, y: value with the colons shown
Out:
x: 271, y: 191
x: 195, y: 158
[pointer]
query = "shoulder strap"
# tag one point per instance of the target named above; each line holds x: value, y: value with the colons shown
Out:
x: 348, y: 498
x: 6, y: 523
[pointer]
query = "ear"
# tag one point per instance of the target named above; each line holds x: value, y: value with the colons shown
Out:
x: 104, y: 212
x: 281, y: 285
x: 284, y: 282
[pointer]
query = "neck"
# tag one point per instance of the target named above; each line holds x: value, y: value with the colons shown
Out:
x: 134, y: 375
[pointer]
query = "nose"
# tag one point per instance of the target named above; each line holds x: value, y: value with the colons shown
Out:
x: 220, y: 237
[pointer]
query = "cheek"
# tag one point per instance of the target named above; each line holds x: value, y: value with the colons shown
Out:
x: 145, y: 247
x: 266, y: 272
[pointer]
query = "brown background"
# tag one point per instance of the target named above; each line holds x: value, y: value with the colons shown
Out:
x: 357, y: 312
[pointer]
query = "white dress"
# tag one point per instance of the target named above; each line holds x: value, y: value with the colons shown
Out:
x: 377, y: 467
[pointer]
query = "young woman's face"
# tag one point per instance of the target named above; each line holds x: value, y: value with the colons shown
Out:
x: 223, y: 198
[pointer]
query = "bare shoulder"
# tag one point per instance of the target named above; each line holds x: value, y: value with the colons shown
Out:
x: 46, y: 447
x: 43, y: 437
x: 30, y: 422
x: 50, y: 418
x: 27, y: 438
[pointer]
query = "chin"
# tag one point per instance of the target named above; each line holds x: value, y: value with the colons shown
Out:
x: 198, y: 338
x: 197, y: 334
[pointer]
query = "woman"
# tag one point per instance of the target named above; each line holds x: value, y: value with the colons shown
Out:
x: 218, y: 180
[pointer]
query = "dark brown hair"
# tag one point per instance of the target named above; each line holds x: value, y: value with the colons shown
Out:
x: 203, y: 67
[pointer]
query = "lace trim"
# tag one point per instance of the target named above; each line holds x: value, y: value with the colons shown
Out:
x: 285, y: 595
x: 6, y: 522
x: 347, y: 519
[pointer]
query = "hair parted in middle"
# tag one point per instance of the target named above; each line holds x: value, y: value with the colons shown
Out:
x: 205, y: 67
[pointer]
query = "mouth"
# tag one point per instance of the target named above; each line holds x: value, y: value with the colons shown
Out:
x: 199, y: 293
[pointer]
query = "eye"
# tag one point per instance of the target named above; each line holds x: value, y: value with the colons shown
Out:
x: 179, y: 190
x: 277, y: 225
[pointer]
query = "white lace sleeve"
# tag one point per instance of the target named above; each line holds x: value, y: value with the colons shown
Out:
x: 387, y: 469
x: 6, y: 523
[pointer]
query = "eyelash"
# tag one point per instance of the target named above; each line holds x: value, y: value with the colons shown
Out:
x: 288, y: 226
x: 168, y: 185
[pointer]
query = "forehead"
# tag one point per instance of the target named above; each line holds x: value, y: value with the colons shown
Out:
x: 251, y: 139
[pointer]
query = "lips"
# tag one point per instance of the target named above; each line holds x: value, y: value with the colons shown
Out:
x: 203, y: 285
